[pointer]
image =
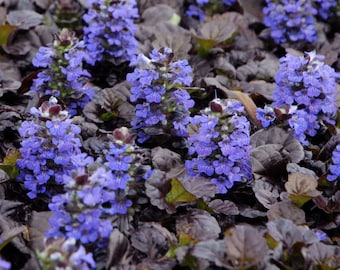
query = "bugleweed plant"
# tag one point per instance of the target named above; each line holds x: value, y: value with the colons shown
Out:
x: 220, y: 149
x: 290, y: 21
x: 63, y: 75
x: 49, y: 143
x: 308, y: 87
x: 158, y: 89
x: 91, y: 199
x: 110, y: 31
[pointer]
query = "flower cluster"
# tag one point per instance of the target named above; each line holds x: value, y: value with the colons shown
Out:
x: 197, y: 10
x: 64, y: 76
x: 49, y: 143
x: 110, y: 33
x: 335, y: 167
x: 82, y: 211
x: 324, y: 7
x: 158, y: 89
x: 291, y: 21
x: 65, y: 255
x: 85, y: 210
x: 221, y: 147
x: 308, y: 87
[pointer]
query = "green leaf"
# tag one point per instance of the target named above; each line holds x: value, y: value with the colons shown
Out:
x: 107, y: 116
x: 205, y: 45
x: 178, y: 193
x: 6, y: 31
x: 299, y: 200
x: 9, y: 164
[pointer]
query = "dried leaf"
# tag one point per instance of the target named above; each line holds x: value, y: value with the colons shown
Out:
x: 24, y: 19
x: 245, y: 246
x: 199, y: 225
x: 287, y: 210
x: 301, y: 188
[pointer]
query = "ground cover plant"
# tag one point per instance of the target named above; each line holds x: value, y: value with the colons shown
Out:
x: 170, y: 134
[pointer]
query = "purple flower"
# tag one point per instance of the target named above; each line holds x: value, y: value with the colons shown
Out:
x: 110, y: 31
x: 324, y: 7
x: 308, y: 86
x: 157, y: 86
x: 64, y: 76
x: 65, y: 254
x: 266, y: 115
x: 220, y: 149
x: 290, y: 21
x: 334, y: 168
x: 81, y: 211
x: 4, y: 265
x: 49, y: 145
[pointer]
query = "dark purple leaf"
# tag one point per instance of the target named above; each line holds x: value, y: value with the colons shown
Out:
x: 119, y: 252
x: 286, y: 233
x: 322, y: 256
x: 199, y: 186
x: 290, y: 146
x: 165, y: 159
x: 152, y: 239
x: 24, y: 19
x: 266, y: 193
x: 199, y: 225
x: 224, y: 207
x: 287, y: 210
x: 156, y: 188
x: 245, y: 246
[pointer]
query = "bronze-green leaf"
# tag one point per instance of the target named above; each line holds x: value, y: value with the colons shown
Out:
x: 6, y: 31
x: 178, y: 193
x: 301, y: 188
